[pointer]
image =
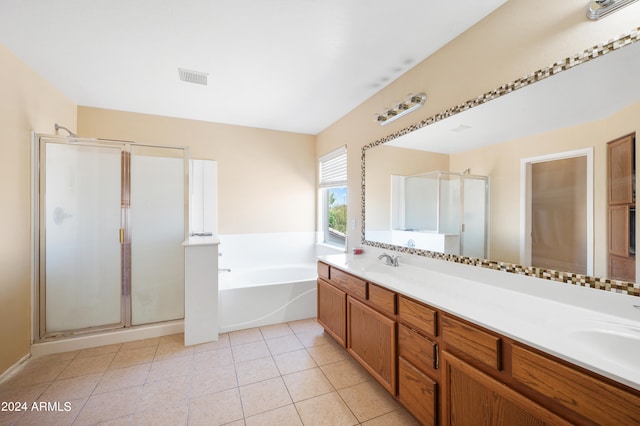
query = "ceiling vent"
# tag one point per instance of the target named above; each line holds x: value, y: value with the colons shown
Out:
x: 190, y: 76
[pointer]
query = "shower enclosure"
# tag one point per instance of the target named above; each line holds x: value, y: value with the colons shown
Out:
x: 111, y: 218
x: 441, y: 211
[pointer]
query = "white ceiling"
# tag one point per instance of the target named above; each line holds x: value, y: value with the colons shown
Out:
x: 293, y: 65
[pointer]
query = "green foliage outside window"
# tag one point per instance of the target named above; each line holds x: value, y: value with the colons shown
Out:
x: 337, y: 215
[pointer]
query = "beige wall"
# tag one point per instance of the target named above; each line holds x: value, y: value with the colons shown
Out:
x: 266, y: 178
x: 517, y: 39
x: 27, y: 103
x: 394, y: 161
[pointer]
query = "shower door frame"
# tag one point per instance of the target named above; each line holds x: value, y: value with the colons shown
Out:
x: 38, y: 194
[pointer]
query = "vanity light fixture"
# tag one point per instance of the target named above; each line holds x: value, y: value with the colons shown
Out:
x: 412, y: 103
x: 601, y: 8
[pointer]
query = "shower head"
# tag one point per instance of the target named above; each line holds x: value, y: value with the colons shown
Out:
x: 58, y: 127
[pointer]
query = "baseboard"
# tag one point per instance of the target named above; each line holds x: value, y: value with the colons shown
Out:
x: 106, y: 338
x: 14, y: 368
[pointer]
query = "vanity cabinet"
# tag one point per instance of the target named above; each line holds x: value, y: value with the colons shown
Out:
x: 361, y: 317
x: 446, y: 370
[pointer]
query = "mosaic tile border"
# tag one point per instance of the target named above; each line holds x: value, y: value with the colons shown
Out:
x: 549, y: 274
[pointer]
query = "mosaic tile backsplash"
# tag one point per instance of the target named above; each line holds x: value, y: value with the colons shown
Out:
x: 549, y: 274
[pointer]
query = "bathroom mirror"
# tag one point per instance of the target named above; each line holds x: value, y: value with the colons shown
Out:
x: 568, y: 110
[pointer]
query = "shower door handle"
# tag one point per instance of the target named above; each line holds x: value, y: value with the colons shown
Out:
x: 121, y: 235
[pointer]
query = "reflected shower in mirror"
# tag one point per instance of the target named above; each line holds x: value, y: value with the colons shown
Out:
x: 578, y: 104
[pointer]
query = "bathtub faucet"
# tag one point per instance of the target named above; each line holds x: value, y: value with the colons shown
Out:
x: 389, y: 260
x: 224, y: 269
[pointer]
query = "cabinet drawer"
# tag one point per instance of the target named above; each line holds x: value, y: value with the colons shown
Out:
x: 323, y: 270
x: 352, y: 285
x: 417, y: 315
x: 417, y: 393
x: 416, y: 349
x: 384, y: 300
x: 472, y: 341
x: 582, y: 393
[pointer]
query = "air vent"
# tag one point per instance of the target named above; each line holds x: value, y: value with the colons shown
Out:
x: 190, y: 76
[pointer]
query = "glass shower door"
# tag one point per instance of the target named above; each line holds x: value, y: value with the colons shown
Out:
x: 158, y: 207
x: 80, y: 245
x: 475, y: 211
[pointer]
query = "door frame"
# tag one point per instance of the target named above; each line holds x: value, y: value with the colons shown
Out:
x: 525, y: 202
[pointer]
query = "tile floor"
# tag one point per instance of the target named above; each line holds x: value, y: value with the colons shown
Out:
x: 285, y: 374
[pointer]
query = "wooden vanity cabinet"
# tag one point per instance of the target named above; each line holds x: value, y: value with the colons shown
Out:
x: 449, y: 371
x: 361, y: 317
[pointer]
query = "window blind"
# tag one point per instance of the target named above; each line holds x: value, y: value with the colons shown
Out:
x: 333, y: 168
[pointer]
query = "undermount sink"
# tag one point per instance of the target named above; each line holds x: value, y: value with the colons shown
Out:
x: 618, y: 342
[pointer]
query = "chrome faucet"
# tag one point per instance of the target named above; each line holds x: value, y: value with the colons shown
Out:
x: 389, y: 260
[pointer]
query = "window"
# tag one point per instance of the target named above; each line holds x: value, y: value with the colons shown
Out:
x: 333, y: 197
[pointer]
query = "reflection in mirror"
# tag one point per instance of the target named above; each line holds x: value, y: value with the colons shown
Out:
x: 438, y: 211
x: 595, y: 100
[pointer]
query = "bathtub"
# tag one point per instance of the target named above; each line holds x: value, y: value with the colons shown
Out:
x: 254, y: 297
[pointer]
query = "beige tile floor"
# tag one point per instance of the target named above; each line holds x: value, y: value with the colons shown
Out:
x: 285, y: 374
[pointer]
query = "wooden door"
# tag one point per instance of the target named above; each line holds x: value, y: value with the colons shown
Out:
x: 559, y: 214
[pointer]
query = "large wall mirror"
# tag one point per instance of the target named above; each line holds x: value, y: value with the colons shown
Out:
x: 522, y: 178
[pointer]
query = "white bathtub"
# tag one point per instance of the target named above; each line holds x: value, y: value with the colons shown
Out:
x: 266, y: 295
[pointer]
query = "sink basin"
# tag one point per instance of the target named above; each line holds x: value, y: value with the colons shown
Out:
x: 617, y: 342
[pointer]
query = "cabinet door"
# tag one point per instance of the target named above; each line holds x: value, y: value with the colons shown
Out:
x: 474, y: 398
x: 620, y: 156
x: 576, y: 390
x: 332, y: 311
x: 371, y: 341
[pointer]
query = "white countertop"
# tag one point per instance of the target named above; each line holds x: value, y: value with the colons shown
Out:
x: 585, y: 326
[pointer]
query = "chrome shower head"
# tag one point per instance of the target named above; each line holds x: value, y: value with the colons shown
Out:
x: 58, y: 127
